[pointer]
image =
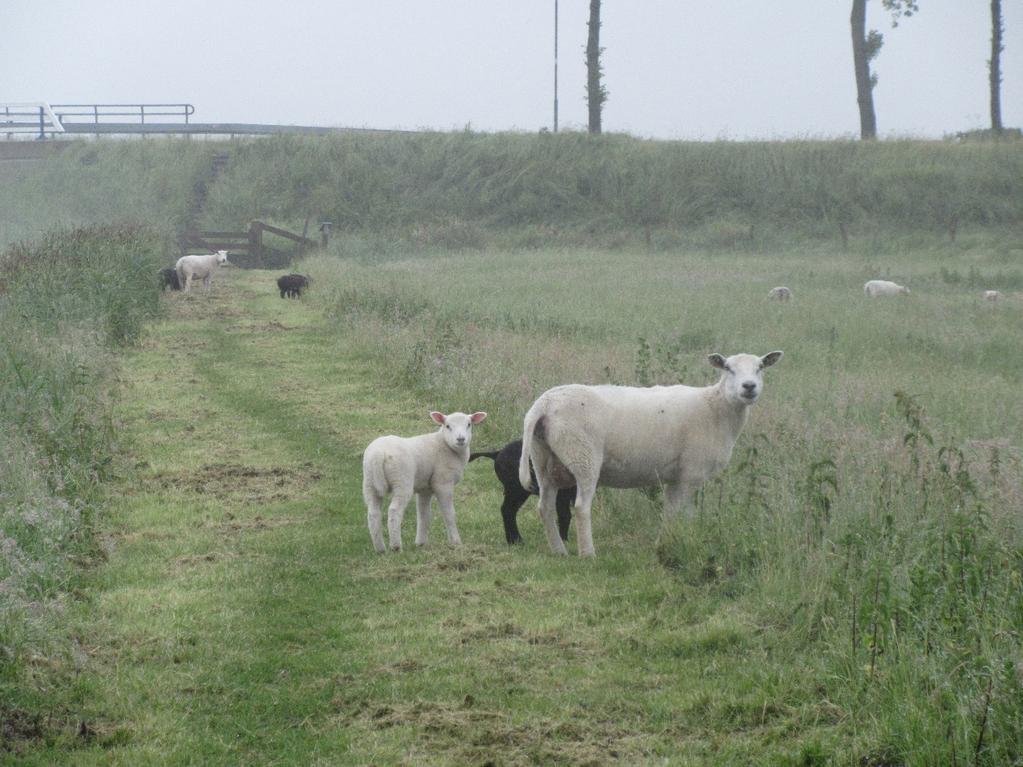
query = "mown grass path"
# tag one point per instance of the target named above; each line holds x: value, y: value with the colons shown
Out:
x: 241, y: 616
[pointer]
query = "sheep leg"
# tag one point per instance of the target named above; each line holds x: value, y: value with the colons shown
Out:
x: 548, y: 497
x: 677, y: 497
x: 374, y: 517
x: 583, y: 530
x: 395, y: 513
x: 563, y: 503
x: 446, y: 501
x: 514, y: 497
x: 423, y: 518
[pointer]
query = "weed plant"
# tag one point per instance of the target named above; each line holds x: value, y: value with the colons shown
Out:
x: 65, y: 303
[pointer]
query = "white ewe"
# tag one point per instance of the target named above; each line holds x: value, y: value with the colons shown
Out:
x: 780, y: 293
x: 874, y: 288
x: 992, y: 295
x: 676, y: 437
x: 189, y: 267
x: 428, y: 465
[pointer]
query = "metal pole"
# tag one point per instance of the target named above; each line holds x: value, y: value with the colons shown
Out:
x: 555, y: 66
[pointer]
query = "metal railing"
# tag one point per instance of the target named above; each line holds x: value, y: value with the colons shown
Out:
x: 43, y: 119
x: 34, y: 117
x: 98, y: 113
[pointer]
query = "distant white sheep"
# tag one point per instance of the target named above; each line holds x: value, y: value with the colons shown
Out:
x: 992, y: 295
x: 780, y: 293
x: 676, y: 437
x: 190, y: 267
x: 874, y: 288
x: 428, y: 465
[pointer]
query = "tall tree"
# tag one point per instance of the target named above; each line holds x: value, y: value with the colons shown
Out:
x: 866, y: 45
x: 995, y: 66
x: 596, y: 94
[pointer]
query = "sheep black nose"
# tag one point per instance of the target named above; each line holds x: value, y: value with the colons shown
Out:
x: 749, y: 385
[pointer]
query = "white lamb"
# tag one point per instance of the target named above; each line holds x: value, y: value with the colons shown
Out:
x: 780, y: 293
x: 428, y: 465
x: 676, y: 437
x: 874, y: 288
x: 189, y: 267
x: 992, y: 295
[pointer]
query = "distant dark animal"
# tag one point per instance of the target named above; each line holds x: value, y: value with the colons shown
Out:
x: 506, y: 466
x: 169, y: 279
x: 292, y: 285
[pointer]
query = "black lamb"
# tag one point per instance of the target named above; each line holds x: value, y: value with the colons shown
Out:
x: 292, y: 285
x: 169, y: 279
x: 506, y: 466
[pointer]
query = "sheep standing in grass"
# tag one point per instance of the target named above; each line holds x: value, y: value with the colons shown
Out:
x: 992, y: 295
x: 292, y: 285
x: 169, y: 279
x: 675, y: 437
x: 190, y: 267
x: 428, y: 465
x: 874, y: 288
x: 506, y: 467
x: 780, y: 293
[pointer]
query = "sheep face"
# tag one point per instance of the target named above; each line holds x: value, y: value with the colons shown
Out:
x: 743, y: 375
x: 221, y: 257
x: 456, y: 428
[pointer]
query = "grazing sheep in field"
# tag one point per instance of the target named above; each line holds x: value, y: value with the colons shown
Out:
x: 780, y: 293
x: 169, y: 279
x: 992, y: 295
x: 428, y: 465
x: 676, y: 437
x: 190, y: 267
x: 874, y: 288
x: 292, y: 285
x: 506, y: 466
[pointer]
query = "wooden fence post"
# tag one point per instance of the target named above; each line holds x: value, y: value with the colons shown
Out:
x: 256, y: 242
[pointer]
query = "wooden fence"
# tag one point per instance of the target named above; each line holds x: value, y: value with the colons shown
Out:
x: 247, y: 249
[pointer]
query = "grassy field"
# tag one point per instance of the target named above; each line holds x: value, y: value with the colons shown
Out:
x: 194, y: 582
x: 843, y: 595
x: 242, y: 616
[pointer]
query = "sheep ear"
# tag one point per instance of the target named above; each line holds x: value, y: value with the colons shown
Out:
x: 438, y: 417
x: 717, y: 361
x: 478, y: 416
x: 769, y: 359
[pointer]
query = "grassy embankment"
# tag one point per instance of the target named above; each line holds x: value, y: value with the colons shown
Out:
x: 464, y: 190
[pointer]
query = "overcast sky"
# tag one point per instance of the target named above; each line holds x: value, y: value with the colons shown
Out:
x: 688, y: 69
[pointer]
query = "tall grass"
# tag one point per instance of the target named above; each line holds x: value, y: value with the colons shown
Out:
x: 103, y: 182
x: 870, y: 514
x: 456, y: 190
x: 65, y: 303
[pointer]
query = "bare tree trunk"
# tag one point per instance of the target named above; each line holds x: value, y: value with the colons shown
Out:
x: 861, y: 62
x: 995, y: 66
x: 595, y: 93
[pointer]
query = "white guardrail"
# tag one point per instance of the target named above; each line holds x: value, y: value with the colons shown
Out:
x: 31, y: 117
